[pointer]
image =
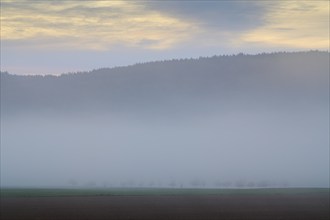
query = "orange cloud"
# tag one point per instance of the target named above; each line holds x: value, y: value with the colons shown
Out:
x: 295, y: 24
x: 94, y: 25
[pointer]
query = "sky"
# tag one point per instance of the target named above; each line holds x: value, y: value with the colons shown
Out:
x: 54, y: 37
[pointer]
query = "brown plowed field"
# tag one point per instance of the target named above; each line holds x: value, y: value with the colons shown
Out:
x: 292, y: 206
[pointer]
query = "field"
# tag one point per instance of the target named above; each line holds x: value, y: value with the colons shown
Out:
x: 290, y: 203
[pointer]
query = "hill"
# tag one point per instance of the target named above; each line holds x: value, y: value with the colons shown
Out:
x: 170, y: 87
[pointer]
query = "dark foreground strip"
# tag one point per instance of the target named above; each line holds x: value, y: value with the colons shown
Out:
x: 283, y: 206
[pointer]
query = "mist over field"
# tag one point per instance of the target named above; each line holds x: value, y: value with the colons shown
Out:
x: 223, y: 121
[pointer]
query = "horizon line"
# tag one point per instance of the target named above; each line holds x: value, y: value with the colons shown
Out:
x: 165, y: 60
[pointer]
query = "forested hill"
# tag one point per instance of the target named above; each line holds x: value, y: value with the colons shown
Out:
x: 176, y: 87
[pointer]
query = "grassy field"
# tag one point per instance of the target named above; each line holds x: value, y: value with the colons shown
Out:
x: 170, y: 203
x: 56, y: 192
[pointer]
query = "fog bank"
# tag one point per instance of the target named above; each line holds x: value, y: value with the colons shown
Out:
x: 228, y: 121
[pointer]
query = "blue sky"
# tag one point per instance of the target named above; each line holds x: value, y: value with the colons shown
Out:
x: 54, y: 37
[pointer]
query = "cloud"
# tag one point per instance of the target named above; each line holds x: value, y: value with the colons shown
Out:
x: 254, y: 24
x: 214, y: 15
x: 293, y: 24
x: 103, y: 25
x: 97, y: 25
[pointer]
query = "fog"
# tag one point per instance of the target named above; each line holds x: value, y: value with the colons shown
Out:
x: 248, y: 131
